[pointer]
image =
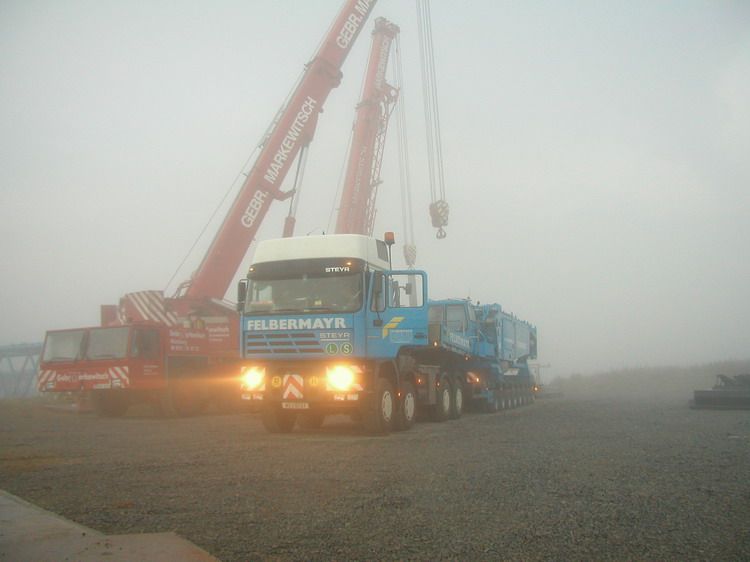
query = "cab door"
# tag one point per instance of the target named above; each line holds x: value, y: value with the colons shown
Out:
x: 146, y: 357
x: 397, y: 312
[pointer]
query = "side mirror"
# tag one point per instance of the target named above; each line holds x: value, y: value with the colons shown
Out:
x: 241, y: 294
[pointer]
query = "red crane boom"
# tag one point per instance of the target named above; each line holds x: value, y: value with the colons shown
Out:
x: 293, y: 129
x: 357, y: 208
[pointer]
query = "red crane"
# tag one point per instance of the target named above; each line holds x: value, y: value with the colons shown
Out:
x: 176, y: 349
x: 293, y: 130
x: 357, y: 207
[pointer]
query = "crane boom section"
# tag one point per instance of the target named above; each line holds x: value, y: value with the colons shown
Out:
x: 357, y: 208
x: 293, y: 129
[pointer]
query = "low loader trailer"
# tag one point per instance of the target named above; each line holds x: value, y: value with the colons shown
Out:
x: 328, y: 327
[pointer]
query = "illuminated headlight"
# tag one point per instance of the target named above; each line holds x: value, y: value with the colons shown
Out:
x: 471, y: 378
x: 341, y: 377
x: 253, y: 377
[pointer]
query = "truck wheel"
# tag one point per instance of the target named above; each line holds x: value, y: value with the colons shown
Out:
x: 457, y: 401
x: 110, y: 403
x: 277, y: 420
x: 407, y: 409
x: 310, y: 421
x: 441, y: 411
x: 380, y: 411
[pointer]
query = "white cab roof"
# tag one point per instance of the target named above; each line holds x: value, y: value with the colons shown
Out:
x: 365, y: 248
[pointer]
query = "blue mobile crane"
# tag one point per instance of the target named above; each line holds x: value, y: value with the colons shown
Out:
x: 328, y: 327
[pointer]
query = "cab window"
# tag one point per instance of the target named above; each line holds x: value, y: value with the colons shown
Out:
x: 405, y: 290
x: 145, y: 344
x: 456, y: 317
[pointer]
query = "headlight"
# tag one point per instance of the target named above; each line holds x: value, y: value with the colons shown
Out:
x: 340, y: 377
x: 253, y: 377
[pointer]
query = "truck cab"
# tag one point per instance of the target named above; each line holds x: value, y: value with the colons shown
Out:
x: 102, y: 359
x: 323, y: 321
x: 176, y: 367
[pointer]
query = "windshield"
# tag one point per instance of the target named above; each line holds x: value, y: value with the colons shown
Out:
x: 305, y: 294
x: 107, y: 343
x: 63, y: 346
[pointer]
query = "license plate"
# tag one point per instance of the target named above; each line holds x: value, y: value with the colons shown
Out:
x: 295, y: 405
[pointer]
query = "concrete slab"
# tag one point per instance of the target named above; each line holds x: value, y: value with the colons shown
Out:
x: 28, y: 532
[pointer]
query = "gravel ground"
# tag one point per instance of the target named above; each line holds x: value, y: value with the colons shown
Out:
x: 563, y: 479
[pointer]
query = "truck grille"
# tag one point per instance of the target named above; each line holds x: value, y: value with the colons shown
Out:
x: 300, y: 342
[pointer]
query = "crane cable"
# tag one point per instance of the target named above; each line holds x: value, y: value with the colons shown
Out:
x: 295, y: 192
x: 410, y: 249
x: 339, y: 184
x: 241, y: 175
x: 438, y: 205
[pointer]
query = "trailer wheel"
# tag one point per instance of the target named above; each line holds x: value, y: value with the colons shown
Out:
x: 407, y: 409
x: 441, y: 411
x: 457, y: 400
x: 379, y: 412
x: 110, y: 403
x: 492, y: 405
x: 310, y: 420
x: 277, y: 420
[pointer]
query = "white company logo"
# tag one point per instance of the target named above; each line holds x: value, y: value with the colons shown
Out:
x: 352, y: 23
x: 253, y: 208
x: 290, y: 140
x: 296, y: 324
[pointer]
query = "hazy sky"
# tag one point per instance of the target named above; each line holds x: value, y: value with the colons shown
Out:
x: 597, y: 158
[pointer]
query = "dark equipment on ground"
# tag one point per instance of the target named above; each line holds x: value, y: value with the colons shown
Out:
x: 729, y: 393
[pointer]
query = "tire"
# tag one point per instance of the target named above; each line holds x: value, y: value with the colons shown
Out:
x: 457, y: 401
x: 310, y: 421
x: 181, y: 399
x: 441, y: 411
x: 379, y: 414
x: 277, y: 420
x: 110, y: 403
x: 407, y: 408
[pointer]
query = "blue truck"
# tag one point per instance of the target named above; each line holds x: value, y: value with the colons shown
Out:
x: 328, y: 327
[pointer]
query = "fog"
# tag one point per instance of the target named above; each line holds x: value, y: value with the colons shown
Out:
x: 595, y: 155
